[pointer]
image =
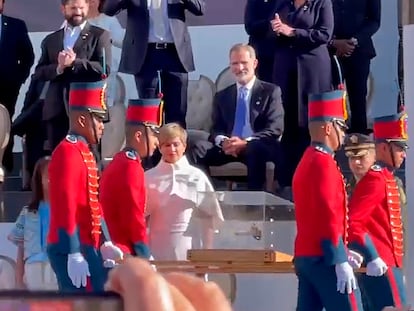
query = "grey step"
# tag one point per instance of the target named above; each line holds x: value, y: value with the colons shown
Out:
x: 17, y: 164
x: 12, y: 183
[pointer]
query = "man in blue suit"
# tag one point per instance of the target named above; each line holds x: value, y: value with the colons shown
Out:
x: 157, y: 39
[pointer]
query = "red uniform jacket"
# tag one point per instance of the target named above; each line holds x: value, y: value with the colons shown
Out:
x: 320, y: 206
x: 75, y: 213
x: 375, y: 225
x: 123, y: 196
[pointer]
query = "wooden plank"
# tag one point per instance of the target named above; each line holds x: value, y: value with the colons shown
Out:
x: 221, y: 267
x: 236, y: 255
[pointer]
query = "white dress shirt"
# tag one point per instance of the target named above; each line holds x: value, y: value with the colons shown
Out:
x: 71, y: 34
x: 153, y: 37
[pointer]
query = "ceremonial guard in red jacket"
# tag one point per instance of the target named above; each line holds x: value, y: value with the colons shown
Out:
x: 123, y: 194
x: 375, y: 225
x: 76, y: 218
x: 326, y: 278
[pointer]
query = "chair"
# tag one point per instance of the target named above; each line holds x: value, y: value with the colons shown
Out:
x: 199, y: 120
x: 5, y: 126
x: 233, y: 170
x: 200, y: 97
x: 7, y: 273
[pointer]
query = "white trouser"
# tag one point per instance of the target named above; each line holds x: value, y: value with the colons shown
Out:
x: 170, y: 246
x: 39, y: 276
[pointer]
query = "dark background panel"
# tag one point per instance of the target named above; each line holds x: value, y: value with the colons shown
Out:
x: 45, y: 15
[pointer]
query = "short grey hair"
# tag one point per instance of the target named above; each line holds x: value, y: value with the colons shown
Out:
x: 243, y: 47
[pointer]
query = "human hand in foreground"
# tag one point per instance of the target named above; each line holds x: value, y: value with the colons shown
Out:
x: 139, y: 285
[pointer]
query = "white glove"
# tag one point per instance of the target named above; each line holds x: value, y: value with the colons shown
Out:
x: 345, y: 278
x: 110, y: 251
x: 78, y: 269
x: 355, y: 259
x: 376, y: 267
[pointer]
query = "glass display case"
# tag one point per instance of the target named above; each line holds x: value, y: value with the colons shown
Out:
x: 255, y: 220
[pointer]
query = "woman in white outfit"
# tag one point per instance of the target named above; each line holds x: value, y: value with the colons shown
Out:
x: 29, y: 234
x: 181, y: 204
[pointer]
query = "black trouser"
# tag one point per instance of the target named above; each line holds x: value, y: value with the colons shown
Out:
x: 255, y: 156
x: 264, y: 69
x: 56, y: 129
x: 174, y: 81
x: 356, y: 71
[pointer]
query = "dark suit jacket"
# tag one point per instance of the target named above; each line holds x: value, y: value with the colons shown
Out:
x: 266, y: 111
x: 302, y: 62
x: 360, y: 19
x: 16, y: 52
x: 88, y: 66
x: 136, y: 37
x: 257, y: 17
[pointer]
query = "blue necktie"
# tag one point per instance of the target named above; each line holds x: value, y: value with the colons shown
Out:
x: 241, y: 113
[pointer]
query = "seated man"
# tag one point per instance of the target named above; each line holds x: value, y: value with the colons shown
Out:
x: 247, y: 121
x: 181, y: 203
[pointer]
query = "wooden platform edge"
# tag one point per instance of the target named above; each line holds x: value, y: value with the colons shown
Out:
x: 220, y: 267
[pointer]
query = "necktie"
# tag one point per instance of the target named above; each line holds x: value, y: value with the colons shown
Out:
x: 158, y: 19
x: 241, y: 117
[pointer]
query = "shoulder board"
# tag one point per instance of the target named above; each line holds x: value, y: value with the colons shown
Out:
x: 320, y: 149
x: 130, y: 155
x: 72, y: 139
x: 376, y: 168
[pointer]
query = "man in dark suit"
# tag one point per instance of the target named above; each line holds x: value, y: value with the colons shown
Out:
x: 157, y: 39
x: 356, y: 21
x: 247, y: 121
x: 257, y: 17
x: 79, y: 52
x: 16, y: 59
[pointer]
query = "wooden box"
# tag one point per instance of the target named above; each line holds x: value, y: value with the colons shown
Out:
x: 237, y: 255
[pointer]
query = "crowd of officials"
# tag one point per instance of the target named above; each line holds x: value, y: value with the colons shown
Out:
x: 287, y: 105
x: 294, y: 44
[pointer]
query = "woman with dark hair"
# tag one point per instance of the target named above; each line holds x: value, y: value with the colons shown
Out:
x: 29, y: 234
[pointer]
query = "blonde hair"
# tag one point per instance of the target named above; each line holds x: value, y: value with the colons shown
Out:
x: 243, y: 47
x: 170, y: 131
